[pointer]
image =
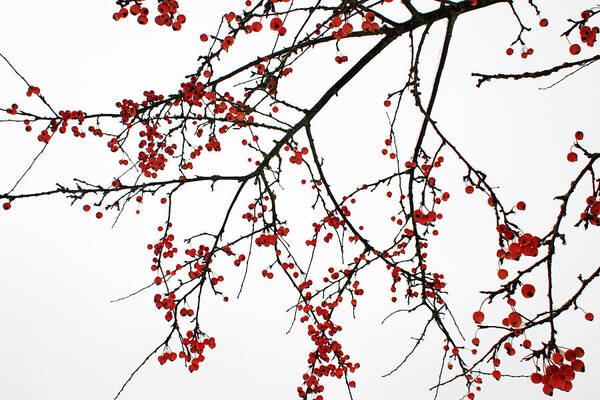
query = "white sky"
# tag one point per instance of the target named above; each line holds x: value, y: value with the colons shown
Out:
x: 63, y: 339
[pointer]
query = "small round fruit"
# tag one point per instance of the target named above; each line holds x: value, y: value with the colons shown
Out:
x: 528, y: 290
x: 514, y: 319
x: 574, y: 49
x: 536, y: 378
x: 478, y: 317
x: 502, y: 273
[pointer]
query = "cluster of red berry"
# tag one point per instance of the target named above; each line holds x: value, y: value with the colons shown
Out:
x: 213, y: 144
x: 321, y: 361
x: 341, y: 59
x: 369, y: 23
x: 525, y: 244
x: 592, y: 211
x: 31, y: 90
x: 587, y: 34
x: 276, y: 25
x: 560, y: 371
x: 167, y: 14
x: 297, y: 157
x: 12, y: 110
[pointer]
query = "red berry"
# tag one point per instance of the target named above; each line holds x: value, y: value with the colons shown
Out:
x: 514, y: 319
x: 469, y: 189
x: 86, y: 208
x: 543, y: 22
x: 574, y: 49
x: 496, y: 374
x: 478, y: 317
x: 276, y: 24
x: 256, y: 26
x: 387, y: 103
x: 536, y: 378
x: 509, y: 51
x: 521, y: 205
x: 578, y: 365
x: 528, y: 290
x: 589, y: 316
x: 98, y: 215
x: 579, y: 135
x: 502, y: 273
x: 6, y: 206
x: 572, y: 157
x: 557, y: 358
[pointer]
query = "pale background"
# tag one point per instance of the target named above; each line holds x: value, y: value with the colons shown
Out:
x: 62, y: 338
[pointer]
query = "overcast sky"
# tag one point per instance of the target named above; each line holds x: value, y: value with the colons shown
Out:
x: 63, y: 338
